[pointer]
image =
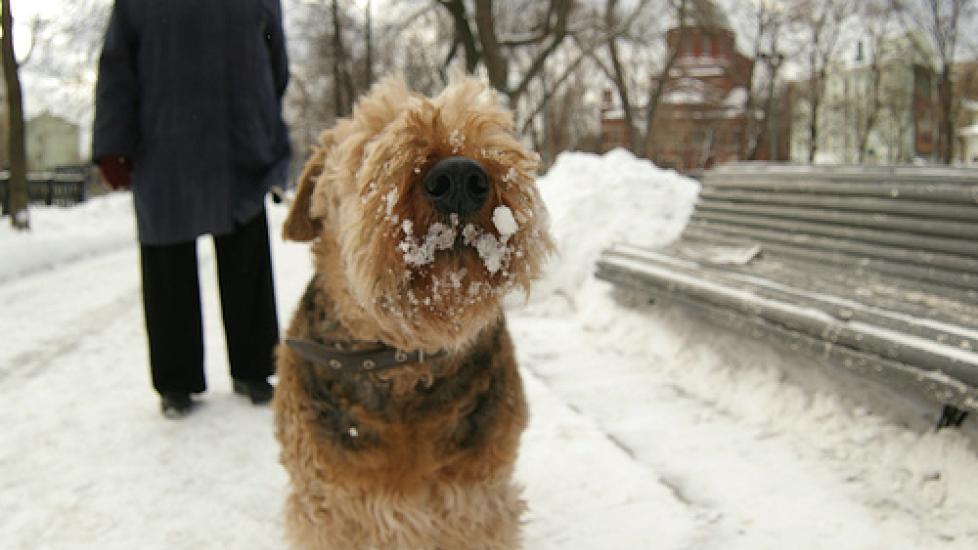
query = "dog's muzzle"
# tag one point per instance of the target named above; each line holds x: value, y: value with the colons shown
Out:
x: 456, y: 185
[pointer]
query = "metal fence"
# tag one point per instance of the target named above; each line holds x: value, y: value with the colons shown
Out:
x: 47, y: 188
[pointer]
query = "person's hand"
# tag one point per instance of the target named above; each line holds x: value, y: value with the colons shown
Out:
x: 116, y: 171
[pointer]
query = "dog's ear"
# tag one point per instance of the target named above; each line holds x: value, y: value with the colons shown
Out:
x: 300, y: 225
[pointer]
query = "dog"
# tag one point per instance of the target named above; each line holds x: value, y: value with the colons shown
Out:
x: 399, y: 406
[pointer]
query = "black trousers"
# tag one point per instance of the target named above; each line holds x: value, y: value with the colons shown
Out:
x: 171, y: 303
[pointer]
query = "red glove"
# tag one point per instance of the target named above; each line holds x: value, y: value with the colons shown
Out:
x: 116, y: 171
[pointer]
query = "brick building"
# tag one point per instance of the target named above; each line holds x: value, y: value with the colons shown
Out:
x: 701, y: 117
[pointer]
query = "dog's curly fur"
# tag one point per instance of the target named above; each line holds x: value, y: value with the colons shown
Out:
x: 420, y: 456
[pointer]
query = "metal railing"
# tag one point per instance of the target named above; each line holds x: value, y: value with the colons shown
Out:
x: 47, y: 188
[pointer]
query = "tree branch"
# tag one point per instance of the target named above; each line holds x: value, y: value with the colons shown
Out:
x: 559, y: 33
x: 587, y: 52
x: 463, y: 32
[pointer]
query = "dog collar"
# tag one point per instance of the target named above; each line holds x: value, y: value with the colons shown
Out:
x: 356, y: 361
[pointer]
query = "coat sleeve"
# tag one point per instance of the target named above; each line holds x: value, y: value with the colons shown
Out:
x: 275, y: 40
x: 116, y: 128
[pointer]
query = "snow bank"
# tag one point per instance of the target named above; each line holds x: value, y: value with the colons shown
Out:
x: 597, y: 200
x: 844, y: 448
x: 826, y: 447
x: 63, y: 235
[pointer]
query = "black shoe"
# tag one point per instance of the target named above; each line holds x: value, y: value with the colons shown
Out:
x: 176, y: 405
x: 259, y: 391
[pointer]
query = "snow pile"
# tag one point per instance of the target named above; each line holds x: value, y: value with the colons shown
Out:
x: 790, y: 438
x: 597, y: 200
x: 62, y: 235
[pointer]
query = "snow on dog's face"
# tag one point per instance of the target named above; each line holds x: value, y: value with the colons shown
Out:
x: 427, y: 209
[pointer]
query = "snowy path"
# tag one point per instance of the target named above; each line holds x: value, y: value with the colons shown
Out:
x: 88, y: 462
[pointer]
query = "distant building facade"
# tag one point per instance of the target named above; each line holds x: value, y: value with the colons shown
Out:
x: 880, y: 111
x: 52, y: 141
x: 701, y: 118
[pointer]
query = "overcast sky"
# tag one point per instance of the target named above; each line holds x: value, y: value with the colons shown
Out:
x: 57, y: 82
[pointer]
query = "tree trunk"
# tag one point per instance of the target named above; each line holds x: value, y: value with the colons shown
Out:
x: 17, y: 184
x: 813, y: 101
x: 463, y: 33
x: 656, y: 94
x: 370, y: 47
x: 767, y: 124
x: 497, y: 66
x: 947, y: 114
x: 876, y: 80
x: 496, y: 55
x: 751, y: 132
x: 621, y: 81
x: 342, y: 83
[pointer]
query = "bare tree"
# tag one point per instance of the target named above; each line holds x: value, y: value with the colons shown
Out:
x: 17, y: 183
x: 867, y: 105
x: 617, y: 31
x: 681, y: 10
x: 559, y: 124
x: 820, y: 22
x: 619, y: 77
x: 333, y: 63
x: 765, y: 22
x: 565, y: 82
x: 939, y: 22
x: 536, y: 31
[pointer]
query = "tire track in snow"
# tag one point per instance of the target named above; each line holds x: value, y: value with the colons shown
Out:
x: 600, y: 489
x: 674, y: 486
x: 63, y: 261
x: 48, y: 316
x: 704, y: 512
x: 701, y: 512
x: 90, y: 323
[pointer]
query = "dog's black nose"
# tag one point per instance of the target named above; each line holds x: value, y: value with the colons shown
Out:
x: 456, y: 185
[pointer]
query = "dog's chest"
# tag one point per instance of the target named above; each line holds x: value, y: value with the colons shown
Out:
x: 445, y: 406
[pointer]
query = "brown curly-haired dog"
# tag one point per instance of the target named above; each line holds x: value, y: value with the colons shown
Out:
x: 399, y: 407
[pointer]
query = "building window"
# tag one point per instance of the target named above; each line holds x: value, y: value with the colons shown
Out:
x: 709, y: 46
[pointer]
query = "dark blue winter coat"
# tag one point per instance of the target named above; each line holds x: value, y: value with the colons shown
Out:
x: 191, y: 92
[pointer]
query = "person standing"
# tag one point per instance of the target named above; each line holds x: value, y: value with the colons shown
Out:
x: 188, y: 113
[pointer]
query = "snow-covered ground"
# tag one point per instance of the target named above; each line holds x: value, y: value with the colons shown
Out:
x: 651, y: 428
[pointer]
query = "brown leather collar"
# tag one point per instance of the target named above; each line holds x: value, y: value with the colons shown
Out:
x: 373, y: 360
